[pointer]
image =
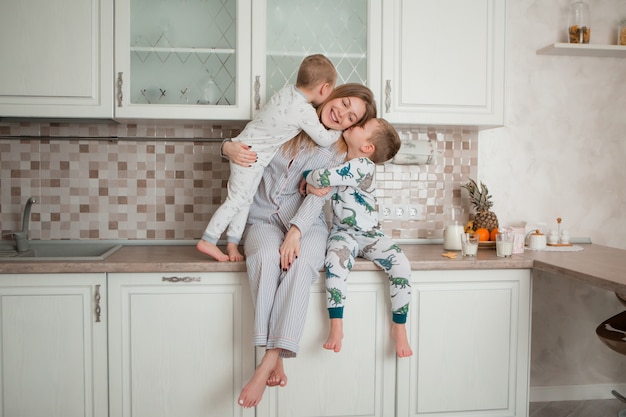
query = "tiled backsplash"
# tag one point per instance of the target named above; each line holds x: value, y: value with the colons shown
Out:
x: 162, y: 181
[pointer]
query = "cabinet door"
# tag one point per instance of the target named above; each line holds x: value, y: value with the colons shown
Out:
x: 286, y: 31
x: 182, y: 59
x: 53, y: 343
x: 179, y: 344
x: 57, y: 58
x: 359, y: 380
x: 470, y: 335
x: 443, y: 62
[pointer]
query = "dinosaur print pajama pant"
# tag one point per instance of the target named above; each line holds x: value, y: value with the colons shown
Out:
x: 344, y: 246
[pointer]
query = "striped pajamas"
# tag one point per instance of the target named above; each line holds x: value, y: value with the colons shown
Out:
x: 286, y: 114
x: 281, y: 298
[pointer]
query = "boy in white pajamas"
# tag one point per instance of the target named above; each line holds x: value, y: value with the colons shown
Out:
x: 288, y: 112
x: 355, y: 230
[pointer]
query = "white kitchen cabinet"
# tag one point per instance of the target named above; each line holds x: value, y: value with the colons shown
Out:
x: 470, y: 335
x: 183, y: 59
x: 54, y: 345
x: 179, y: 344
x: 359, y: 380
x: 443, y: 62
x: 285, y: 31
x: 57, y: 58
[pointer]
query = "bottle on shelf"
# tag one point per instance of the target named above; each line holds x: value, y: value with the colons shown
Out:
x: 621, y: 33
x: 579, y: 25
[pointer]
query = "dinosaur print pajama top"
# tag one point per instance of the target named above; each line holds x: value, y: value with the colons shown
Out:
x: 355, y: 232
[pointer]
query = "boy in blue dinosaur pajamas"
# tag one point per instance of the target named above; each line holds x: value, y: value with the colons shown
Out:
x: 355, y: 230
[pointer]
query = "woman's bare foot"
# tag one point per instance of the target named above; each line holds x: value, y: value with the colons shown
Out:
x: 252, y: 393
x: 278, y: 376
x: 233, y: 252
x: 211, y: 250
x: 335, y: 335
x: 398, y: 334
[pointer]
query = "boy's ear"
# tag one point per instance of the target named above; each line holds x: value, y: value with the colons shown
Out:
x: 324, y: 89
x: 368, y: 148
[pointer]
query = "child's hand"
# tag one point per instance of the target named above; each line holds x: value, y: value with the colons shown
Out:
x: 302, y: 187
x: 320, y: 192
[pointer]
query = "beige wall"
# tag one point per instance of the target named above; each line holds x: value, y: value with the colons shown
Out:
x: 562, y: 154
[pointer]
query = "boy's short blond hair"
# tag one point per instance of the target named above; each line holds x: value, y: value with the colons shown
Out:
x: 315, y: 70
x: 386, y: 142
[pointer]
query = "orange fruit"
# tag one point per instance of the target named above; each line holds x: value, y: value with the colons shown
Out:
x: 493, y: 233
x: 483, y: 234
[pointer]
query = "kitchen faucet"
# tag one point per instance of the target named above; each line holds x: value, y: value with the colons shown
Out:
x: 21, y: 238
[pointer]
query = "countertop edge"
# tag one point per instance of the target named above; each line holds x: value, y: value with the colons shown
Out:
x: 597, y: 265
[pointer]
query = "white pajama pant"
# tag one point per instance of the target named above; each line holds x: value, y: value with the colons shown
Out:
x: 233, y: 212
x: 281, y: 298
x: 344, y: 246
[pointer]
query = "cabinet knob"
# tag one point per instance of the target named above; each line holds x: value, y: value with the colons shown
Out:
x: 387, y: 96
x: 257, y: 92
x: 181, y: 279
x: 120, y: 82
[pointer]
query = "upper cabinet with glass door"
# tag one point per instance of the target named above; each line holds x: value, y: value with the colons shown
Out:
x: 182, y: 59
x: 286, y: 31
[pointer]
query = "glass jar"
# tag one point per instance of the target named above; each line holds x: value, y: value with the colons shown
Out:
x: 579, y: 28
x: 621, y: 33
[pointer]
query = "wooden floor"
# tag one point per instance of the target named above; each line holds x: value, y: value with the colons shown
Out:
x: 588, y: 408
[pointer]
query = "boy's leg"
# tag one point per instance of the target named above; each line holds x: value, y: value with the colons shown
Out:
x: 341, y: 250
x: 385, y: 253
x: 238, y: 222
x: 241, y: 189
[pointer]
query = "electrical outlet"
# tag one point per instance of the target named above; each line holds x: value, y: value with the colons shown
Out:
x: 400, y: 212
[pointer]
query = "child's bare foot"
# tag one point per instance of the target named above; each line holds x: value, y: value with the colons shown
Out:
x: 335, y: 335
x: 398, y: 334
x: 233, y: 252
x: 252, y: 393
x: 211, y: 250
x: 278, y: 376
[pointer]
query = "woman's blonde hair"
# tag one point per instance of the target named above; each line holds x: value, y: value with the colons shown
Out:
x: 344, y: 90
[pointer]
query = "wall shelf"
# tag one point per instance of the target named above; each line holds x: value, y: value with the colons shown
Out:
x: 575, y: 49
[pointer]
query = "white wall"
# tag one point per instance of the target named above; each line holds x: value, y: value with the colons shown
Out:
x: 562, y: 153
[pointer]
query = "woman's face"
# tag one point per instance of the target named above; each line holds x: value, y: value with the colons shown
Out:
x: 342, y: 112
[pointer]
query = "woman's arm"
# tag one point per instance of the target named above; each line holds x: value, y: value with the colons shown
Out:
x: 238, y: 153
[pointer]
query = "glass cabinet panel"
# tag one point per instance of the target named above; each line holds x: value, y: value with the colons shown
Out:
x: 183, y: 52
x: 297, y: 28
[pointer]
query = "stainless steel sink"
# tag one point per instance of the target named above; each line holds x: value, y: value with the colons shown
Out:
x: 58, y: 250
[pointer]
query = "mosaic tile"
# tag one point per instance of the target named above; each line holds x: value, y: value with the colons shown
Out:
x: 164, y: 182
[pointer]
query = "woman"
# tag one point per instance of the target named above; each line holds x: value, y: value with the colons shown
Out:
x: 282, y: 225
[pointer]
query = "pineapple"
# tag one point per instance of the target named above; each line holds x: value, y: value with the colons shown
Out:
x: 480, y: 198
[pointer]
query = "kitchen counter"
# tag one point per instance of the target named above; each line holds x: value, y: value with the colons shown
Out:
x: 596, y: 265
x: 185, y: 258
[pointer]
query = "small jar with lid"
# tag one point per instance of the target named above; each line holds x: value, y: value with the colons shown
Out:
x: 621, y: 33
x: 579, y: 23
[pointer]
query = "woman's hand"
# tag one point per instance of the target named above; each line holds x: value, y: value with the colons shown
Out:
x: 290, y: 249
x: 239, y: 153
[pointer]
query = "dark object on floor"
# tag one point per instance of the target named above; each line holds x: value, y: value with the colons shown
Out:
x: 612, y: 332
